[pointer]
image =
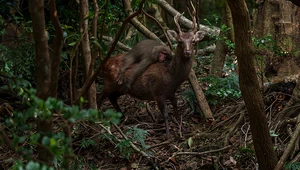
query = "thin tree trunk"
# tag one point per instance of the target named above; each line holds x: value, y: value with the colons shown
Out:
x: 200, y: 97
x: 250, y: 87
x: 92, y: 79
x: 43, y: 71
x: 57, y: 46
x: 221, y: 47
x: 219, y: 57
x: 86, y: 52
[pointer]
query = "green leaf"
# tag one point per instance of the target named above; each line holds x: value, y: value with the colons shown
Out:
x: 32, y: 166
x: 190, y: 142
x: 46, y: 140
x: 72, y: 43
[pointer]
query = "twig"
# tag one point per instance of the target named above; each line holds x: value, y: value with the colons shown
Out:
x: 202, y: 153
x: 161, y: 27
x: 290, y: 146
x: 246, y: 136
x: 150, y: 112
x: 159, y: 144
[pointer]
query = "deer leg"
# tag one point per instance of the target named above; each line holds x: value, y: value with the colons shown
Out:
x: 113, y: 98
x: 162, y: 105
x: 101, y: 98
x: 177, y: 114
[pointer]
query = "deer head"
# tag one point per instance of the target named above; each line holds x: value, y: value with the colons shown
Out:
x: 186, y: 39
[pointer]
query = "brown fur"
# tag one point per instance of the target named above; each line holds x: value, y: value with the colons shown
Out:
x: 159, y: 82
x: 143, y: 54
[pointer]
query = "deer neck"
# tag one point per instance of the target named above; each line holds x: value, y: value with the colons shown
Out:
x: 181, y: 66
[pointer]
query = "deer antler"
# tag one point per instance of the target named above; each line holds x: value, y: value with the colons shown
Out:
x: 193, y: 15
x: 176, y: 18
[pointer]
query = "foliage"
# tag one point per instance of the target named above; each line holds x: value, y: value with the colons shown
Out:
x: 85, y: 143
x: 58, y: 143
x: 16, y: 65
x: 292, y: 166
x: 138, y: 135
x: 125, y: 148
x: 189, y: 95
x: 31, y: 165
x: 221, y: 88
x: 22, y: 59
x: 269, y: 44
x: 134, y: 134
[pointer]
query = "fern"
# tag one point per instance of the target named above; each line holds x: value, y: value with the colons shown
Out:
x: 86, y: 143
x: 125, y: 148
x: 138, y: 135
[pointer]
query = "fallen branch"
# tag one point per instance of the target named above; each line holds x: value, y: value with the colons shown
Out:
x: 202, y: 153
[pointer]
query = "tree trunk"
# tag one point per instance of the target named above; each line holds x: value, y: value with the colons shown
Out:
x: 57, y: 46
x: 86, y: 52
x: 250, y: 87
x: 281, y: 20
x: 221, y: 47
x: 219, y: 57
x: 43, y: 71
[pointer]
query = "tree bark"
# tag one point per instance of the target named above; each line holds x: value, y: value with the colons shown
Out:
x: 219, y: 57
x: 201, y: 97
x: 56, y: 47
x: 86, y: 52
x: 280, y: 19
x: 250, y: 87
x: 43, y: 71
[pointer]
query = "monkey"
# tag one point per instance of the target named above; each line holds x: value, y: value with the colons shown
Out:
x: 143, y: 54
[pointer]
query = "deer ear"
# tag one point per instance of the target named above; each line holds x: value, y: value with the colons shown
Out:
x: 172, y: 35
x: 199, y: 35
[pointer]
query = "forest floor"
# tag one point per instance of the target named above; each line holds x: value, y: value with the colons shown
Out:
x: 227, y: 144
x: 224, y: 145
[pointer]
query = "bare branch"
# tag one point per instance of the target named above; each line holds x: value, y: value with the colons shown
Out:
x: 186, y: 22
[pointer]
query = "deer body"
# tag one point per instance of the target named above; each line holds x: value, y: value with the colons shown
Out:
x: 160, y: 80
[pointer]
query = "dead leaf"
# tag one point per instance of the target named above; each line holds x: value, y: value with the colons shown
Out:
x: 173, y: 160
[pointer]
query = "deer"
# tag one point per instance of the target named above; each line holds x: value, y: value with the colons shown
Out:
x: 160, y: 81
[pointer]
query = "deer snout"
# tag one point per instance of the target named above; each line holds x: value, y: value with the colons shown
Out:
x: 188, y: 53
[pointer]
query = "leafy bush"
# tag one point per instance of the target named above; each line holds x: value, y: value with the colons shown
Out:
x: 221, y: 88
x: 189, y: 96
x: 26, y: 139
x: 292, y: 166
